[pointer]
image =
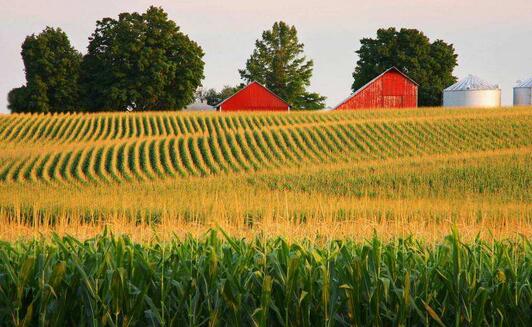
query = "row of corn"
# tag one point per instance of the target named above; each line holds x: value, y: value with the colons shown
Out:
x: 257, y: 150
x: 218, y: 280
x: 74, y: 128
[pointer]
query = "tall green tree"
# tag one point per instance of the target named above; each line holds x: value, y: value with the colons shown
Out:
x: 52, y: 66
x: 279, y: 64
x: 431, y: 65
x: 140, y: 62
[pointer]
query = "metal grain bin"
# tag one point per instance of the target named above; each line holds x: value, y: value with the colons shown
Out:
x: 523, y: 93
x: 472, y: 92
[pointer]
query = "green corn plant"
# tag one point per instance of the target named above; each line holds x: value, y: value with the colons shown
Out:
x: 195, y: 155
x: 174, y: 158
x: 184, y: 155
x: 264, y: 282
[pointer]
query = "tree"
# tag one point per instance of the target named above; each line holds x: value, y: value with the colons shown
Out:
x: 279, y: 64
x: 17, y: 100
x: 140, y: 62
x: 213, y: 97
x: 52, y: 66
x: 431, y: 65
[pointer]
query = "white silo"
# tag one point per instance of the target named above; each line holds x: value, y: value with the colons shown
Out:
x: 472, y: 92
x: 523, y: 93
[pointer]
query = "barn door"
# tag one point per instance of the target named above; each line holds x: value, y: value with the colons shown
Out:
x: 393, y: 101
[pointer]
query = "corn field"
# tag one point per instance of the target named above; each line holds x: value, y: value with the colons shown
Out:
x: 366, y: 218
x: 224, y: 281
x: 334, y: 174
x: 116, y: 148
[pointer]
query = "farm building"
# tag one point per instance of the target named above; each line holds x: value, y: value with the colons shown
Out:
x: 523, y: 93
x: 472, y: 92
x: 391, y: 89
x: 254, y: 97
x: 199, y: 106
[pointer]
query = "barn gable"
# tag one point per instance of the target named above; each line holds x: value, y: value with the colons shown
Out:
x: 391, y: 89
x: 254, y: 97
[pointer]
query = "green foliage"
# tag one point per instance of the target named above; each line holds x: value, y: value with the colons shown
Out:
x: 17, y: 100
x: 52, y: 71
x: 279, y: 64
x: 431, y: 65
x: 112, y: 281
x: 213, y: 97
x: 140, y: 62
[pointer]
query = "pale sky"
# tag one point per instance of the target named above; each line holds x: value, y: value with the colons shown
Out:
x: 493, y: 38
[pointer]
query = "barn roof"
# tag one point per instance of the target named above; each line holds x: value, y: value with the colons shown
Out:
x: 471, y: 83
x: 525, y: 83
x: 259, y: 84
x: 199, y: 106
x: 373, y: 80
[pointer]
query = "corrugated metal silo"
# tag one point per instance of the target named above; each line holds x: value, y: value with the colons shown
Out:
x: 472, y: 92
x: 523, y: 93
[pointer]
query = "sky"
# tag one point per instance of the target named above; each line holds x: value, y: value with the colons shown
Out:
x: 493, y: 38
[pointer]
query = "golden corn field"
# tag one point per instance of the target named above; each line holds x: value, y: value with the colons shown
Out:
x: 294, y: 219
x: 400, y: 172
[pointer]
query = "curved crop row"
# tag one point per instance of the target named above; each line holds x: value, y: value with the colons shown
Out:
x: 78, y: 128
x: 239, y: 144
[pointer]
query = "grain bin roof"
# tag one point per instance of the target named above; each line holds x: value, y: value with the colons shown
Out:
x: 199, y: 106
x: 472, y: 83
x: 525, y: 83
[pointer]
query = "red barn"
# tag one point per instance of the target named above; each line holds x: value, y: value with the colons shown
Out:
x: 254, y: 97
x: 391, y: 89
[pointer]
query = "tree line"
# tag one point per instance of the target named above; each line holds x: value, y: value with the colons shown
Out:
x: 142, y: 61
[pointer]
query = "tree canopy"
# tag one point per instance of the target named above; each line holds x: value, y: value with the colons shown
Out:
x: 140, y: 62
x: 279, y: 64
x: 213, y: 97
x: 431, y: 65
x: 52, y: 66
